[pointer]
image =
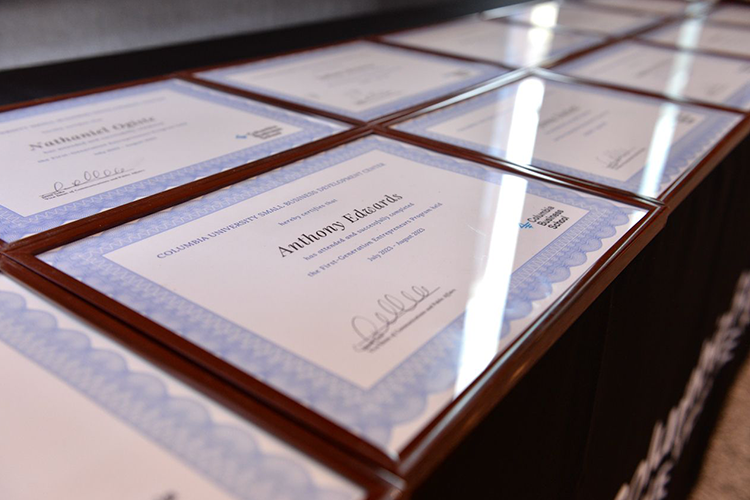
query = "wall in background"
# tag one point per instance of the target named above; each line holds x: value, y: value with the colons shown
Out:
x: 34, y: 32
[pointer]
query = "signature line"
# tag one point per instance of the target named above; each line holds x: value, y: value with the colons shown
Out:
x: 390, y: 309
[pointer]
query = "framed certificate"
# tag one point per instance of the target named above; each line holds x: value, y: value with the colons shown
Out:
x: 104, y: 422
x: 731, y: 13
x: 360, y: 80
x: 365, y: 288
x: 697, y: 34
x: 671, y: 7
x: 71, y: 158
x: 618, y: 139
x: 579, y: 17
x: 512, y: 45
x: 707, y: 78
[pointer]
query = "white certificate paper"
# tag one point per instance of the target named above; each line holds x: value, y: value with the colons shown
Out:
x: 72, y: 158
x: 703, y: 77
x: 618, y: 139
x: 509, y: 44
x: 85, y: 419
x: 360, y: 80
x: 581, y: 17
x: 697, y: 34
x: 656, y: 6
x: 373, y: 282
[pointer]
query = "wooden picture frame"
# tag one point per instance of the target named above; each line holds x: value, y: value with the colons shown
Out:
x: 446, y: 430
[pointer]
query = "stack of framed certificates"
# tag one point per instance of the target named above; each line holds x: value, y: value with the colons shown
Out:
x: 311, y: 275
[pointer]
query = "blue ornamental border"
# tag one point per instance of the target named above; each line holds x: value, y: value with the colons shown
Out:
x: 399, y: 397
x: 14, y: 226
x: 229, y: 456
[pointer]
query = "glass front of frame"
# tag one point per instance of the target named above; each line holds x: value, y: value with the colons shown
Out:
x: 671, y: 7
x: 360, y: 80
x: 697, y: 34
x: 617, y: 139
x: 513, y: 45
x: 372, y: 283
x: 579, y: 17
x: 678, y: 74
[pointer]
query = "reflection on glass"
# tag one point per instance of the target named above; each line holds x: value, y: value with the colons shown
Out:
x: 582, y: 17
x: 533, y: 44
x: 658, y: 151
x: 617, y: 139
x: 524, y: 121
x: 538, y: 43
x: 690, y: 33
x: 714, y: 79
x: 659, y: 6
x: 545, y: 15
x: 501, y: 42
x: 666, y: 123
x: 431, y: 267
x: 486, y: 305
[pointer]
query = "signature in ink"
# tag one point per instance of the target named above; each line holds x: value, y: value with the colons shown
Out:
x: 390, y: 309
x: 88, y: 177
x: 613, y: 159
